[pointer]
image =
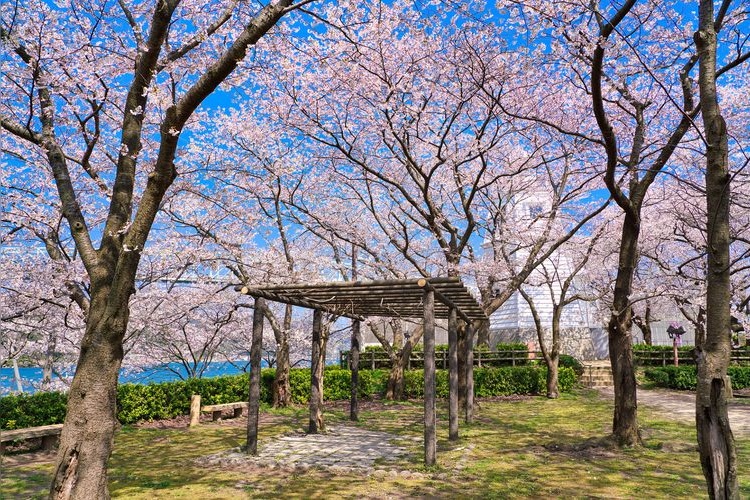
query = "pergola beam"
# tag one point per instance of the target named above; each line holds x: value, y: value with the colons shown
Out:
x: 442, y: 298
x: 284, y: 299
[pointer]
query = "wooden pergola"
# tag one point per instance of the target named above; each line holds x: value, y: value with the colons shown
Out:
x: 428, y: 298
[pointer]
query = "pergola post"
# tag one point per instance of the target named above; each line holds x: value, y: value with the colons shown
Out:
x: 461, y: 348
x: 254, y: 396
x: 469, y: 373
x: 430, y: 437
x: 316, y: 376
x: 452, y: 375
x: 354, y: 367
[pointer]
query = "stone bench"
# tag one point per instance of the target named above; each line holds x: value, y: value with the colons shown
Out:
x: 48, y: 433
x: 217, y: 410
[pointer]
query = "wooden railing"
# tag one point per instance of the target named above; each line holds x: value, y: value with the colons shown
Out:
x: 372, y: 360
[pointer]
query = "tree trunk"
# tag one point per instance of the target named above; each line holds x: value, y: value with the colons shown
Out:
x: 716, y: 445
x: 553, y: 391
x: 644, y: 324
x: 625, y: 422
x: 90, y: 422
x: 553, y: 357
x: 483, y: 334
x: 395, y: 388
x: 399, y: 363
x: 49, y: 360
x: 282, y: 394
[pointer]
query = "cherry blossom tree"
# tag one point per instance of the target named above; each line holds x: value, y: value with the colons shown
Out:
x: 96, y: 97
x: 644, y: 108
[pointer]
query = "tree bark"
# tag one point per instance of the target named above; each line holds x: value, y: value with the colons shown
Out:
x: 281, y: 389
x: 644, y: 323
x: 625, y: 421
x: 716, y: 445
x: 91, y: 419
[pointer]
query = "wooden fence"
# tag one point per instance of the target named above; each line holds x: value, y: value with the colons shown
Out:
x: 666, y: 358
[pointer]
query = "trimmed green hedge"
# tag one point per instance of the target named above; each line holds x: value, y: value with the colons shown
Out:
x: 43, y: 408
x: 685, y: 377
x: 137, y: 402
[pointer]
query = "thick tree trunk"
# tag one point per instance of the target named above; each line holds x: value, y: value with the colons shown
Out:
x: 715, y: 440
x: 90, y: 422
x: 625, y: 421
x: 399, y: 363
x: 395, y: 387
x: 282, y: 394
x: 483, y: 334
x: 281, y: 389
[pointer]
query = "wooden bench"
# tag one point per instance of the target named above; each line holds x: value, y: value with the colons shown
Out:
x: 216, y: 410
x: 48, y: 433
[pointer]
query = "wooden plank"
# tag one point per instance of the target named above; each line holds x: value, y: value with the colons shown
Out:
x: 258, y: 293
x: 223, y: 407
x: 430, y: 423
x: 363, y: 284
x: 30, y: 433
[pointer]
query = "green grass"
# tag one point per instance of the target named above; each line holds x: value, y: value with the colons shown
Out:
x: 531, y: 447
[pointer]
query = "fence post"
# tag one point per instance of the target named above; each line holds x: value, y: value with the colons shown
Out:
x: 195, y: 410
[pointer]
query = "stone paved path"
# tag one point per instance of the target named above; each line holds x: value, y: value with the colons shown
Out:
x: 681, y: 406
x: 341, y: 447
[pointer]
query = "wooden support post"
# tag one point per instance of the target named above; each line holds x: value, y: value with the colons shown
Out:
x: 469, y: 373
x: 195, y: 410
x: 316, y: 376
x: 254, y: 399
x: 354, y: 360
x: 461, y: 348
x: 50, y: 442
x: 430, y: 421
x: 452, y: 375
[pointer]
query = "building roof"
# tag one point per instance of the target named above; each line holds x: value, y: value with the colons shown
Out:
x: 385, y: 298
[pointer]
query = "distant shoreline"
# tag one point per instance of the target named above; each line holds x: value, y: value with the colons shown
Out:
x: 31, y: 376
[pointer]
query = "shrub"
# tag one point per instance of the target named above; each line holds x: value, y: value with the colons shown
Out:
x: 685, y: 377
x: 31, y: 410
x: 571, y: 362
x: 136, y: 402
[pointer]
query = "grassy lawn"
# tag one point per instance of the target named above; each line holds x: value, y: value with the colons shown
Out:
x: 524, y: 448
